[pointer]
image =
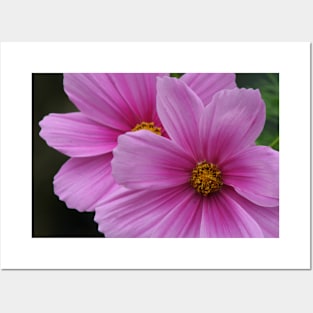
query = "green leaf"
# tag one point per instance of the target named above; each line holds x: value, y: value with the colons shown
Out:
x: 177, y: 75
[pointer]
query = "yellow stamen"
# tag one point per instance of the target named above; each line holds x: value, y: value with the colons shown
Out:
x: 148, y: 126
x: 206, y: 178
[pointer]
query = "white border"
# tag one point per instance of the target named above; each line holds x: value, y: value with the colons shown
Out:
x: 20, y: 251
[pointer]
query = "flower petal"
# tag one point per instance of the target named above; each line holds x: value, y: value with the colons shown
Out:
x: 223, y: 217
x: 179, y: 109
x: 77, y: 136
x: 116, y: 100
x: 82, y: 182
x: 139, y: 90
x: 266, y: 217
x: 206, y: 85
x: 136, y: 213
x: 179, y: 212
x: 133, y: 213
x: 145, y: 160
x: 233, y: 120
x: 254, y: 174
x: 184, y: 218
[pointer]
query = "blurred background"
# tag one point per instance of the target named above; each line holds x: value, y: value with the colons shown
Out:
x: 50, y: 216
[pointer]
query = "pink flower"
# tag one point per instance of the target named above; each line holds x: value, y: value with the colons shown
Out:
x: 208, y: 179
x: 109, y: 105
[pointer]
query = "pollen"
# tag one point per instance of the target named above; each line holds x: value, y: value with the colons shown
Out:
x: 148, y: 126
x: 206, y: 178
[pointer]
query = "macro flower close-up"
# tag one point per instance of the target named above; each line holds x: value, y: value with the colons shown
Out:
x: 109, y: 105
x: 205, y: 178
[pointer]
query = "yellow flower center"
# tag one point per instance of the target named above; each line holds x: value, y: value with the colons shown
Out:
x: 148, y: 126
x: 206, y: 178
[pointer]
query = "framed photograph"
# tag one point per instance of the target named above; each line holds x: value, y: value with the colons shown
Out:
x: 155, y: 155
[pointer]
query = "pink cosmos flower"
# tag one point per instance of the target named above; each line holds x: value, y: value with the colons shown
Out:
x: 109, y: 105
x: 208, y: 179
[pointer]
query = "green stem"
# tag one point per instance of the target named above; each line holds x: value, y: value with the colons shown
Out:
x: 274, y: 142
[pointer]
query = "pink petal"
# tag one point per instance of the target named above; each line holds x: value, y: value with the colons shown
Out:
x: 179, y: 212
x: 184, y: 218
x: 131, y: 213
x: 233, y: 120
x: 116, y: 100
x: 223, y: 217
x: 179, y: 109
x: 139, y: 90
x: 254, y: 174
x: 145, y: 160
x: 82, y: 182
x: 77, y: 136
x: 206, y: 85
x: 266, y: 217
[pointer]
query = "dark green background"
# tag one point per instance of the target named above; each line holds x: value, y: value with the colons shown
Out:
x: 51, y: 217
